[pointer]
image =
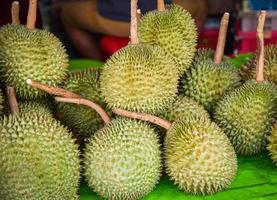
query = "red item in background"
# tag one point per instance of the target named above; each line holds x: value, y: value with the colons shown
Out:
x: 208, y: 38
x: 5, y: 12
x: 110, y: 44
x: 248, y: 40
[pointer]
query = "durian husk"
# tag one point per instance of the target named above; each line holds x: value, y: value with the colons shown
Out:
x: 247, y: 114
x: 272, y: 144
x: 123, y: 160
x: 174, y: 30
x: 199, y: 157
x: 248, y: 71
x: 31, y: 54
x: 39, y: 159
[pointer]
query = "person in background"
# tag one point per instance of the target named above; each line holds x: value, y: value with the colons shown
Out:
x: 84, y: 19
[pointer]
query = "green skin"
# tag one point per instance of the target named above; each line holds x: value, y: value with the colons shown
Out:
x: 123, y: 160
x: 39, y: 159
x: 174, y: 31
x: 199, y: 157
x: 272, y: 145
x: 84, y: 121
x: 247, y: 114
x: 139, y: 78
x: 31, y: 54
x: 206, y: 82
x: 34, y: 107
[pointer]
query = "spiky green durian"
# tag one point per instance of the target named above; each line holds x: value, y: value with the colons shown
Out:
x: 1, y: 103
x: 31, y: 54
x: 39, y: 159
x: 82, y: 120
x: 139, y: 78
x: 174, y: 31
x: 34, y: 107
x: 206, y: 82
x: 199, y: 157
x: 272, y: 146
x: 246, y: 115
x: 123, y: 160
x: 184, y: 106
x: 270, y: 61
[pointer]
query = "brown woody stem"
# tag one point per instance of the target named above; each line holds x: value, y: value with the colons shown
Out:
x: 260, y: 38
x: 15, y: 12
x: 221, y: 39
x: 160, y: 5
x: 134, y: 23
x: 32, y: 14
x: 52, y: 90
x: 105, y: 117
x: 145, y: 117
x: 12, y: 100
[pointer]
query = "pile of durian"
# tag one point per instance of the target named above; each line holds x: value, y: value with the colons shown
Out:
x: 157, y: 104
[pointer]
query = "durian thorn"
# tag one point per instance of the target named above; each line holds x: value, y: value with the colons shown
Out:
x: 260, y: 40
x: 138, y: 14
x: 219, y: 52
x: 160, y: 5
x: 12, y: 100
x: 144, y: 117
x: 15, y: 12
x: 32, y: 14
x: 134, y: 23
x: 105, y: 117
x: 52, y: 90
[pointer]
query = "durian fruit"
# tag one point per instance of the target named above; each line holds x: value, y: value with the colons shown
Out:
x: 123, y: 160
x: 246, y: 114
x: 184, y: 106
x: 199, y: 157
x: 270, y: 72
x: 39, y: 159
x: 26, y: 52
x: 35, y: 107
x: 174, y: 30
x: 1, y: 103
x: 139, y: 77
x: 272, y: 146
x: 82, y: 120
x: 207, y: 80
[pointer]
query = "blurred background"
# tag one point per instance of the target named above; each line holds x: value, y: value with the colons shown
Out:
x: 97, y: 28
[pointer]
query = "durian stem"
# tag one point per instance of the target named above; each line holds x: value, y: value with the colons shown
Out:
x: 134, y: 23
x: 52, y: 90
x: 32, y: 14
x: 105, y: 117
x: 145, y: 117
x: 219, y: 52
x: 260, y: 38
x: 12, y: 100
x: 160, y: 5
x: 15, y: 12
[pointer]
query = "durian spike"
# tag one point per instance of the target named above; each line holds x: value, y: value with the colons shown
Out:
x: 15, y: 12
x: 70, y: 97
x: 260, y: 40
x: 144, y: 117
x: 134, y: 22
x: 138, y: 14
x: 160, y: 5
x: 219, y: 52
x: 12, y: 100
x: 52, y: 90
x: 32, y: 14
x: 105, y: 117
